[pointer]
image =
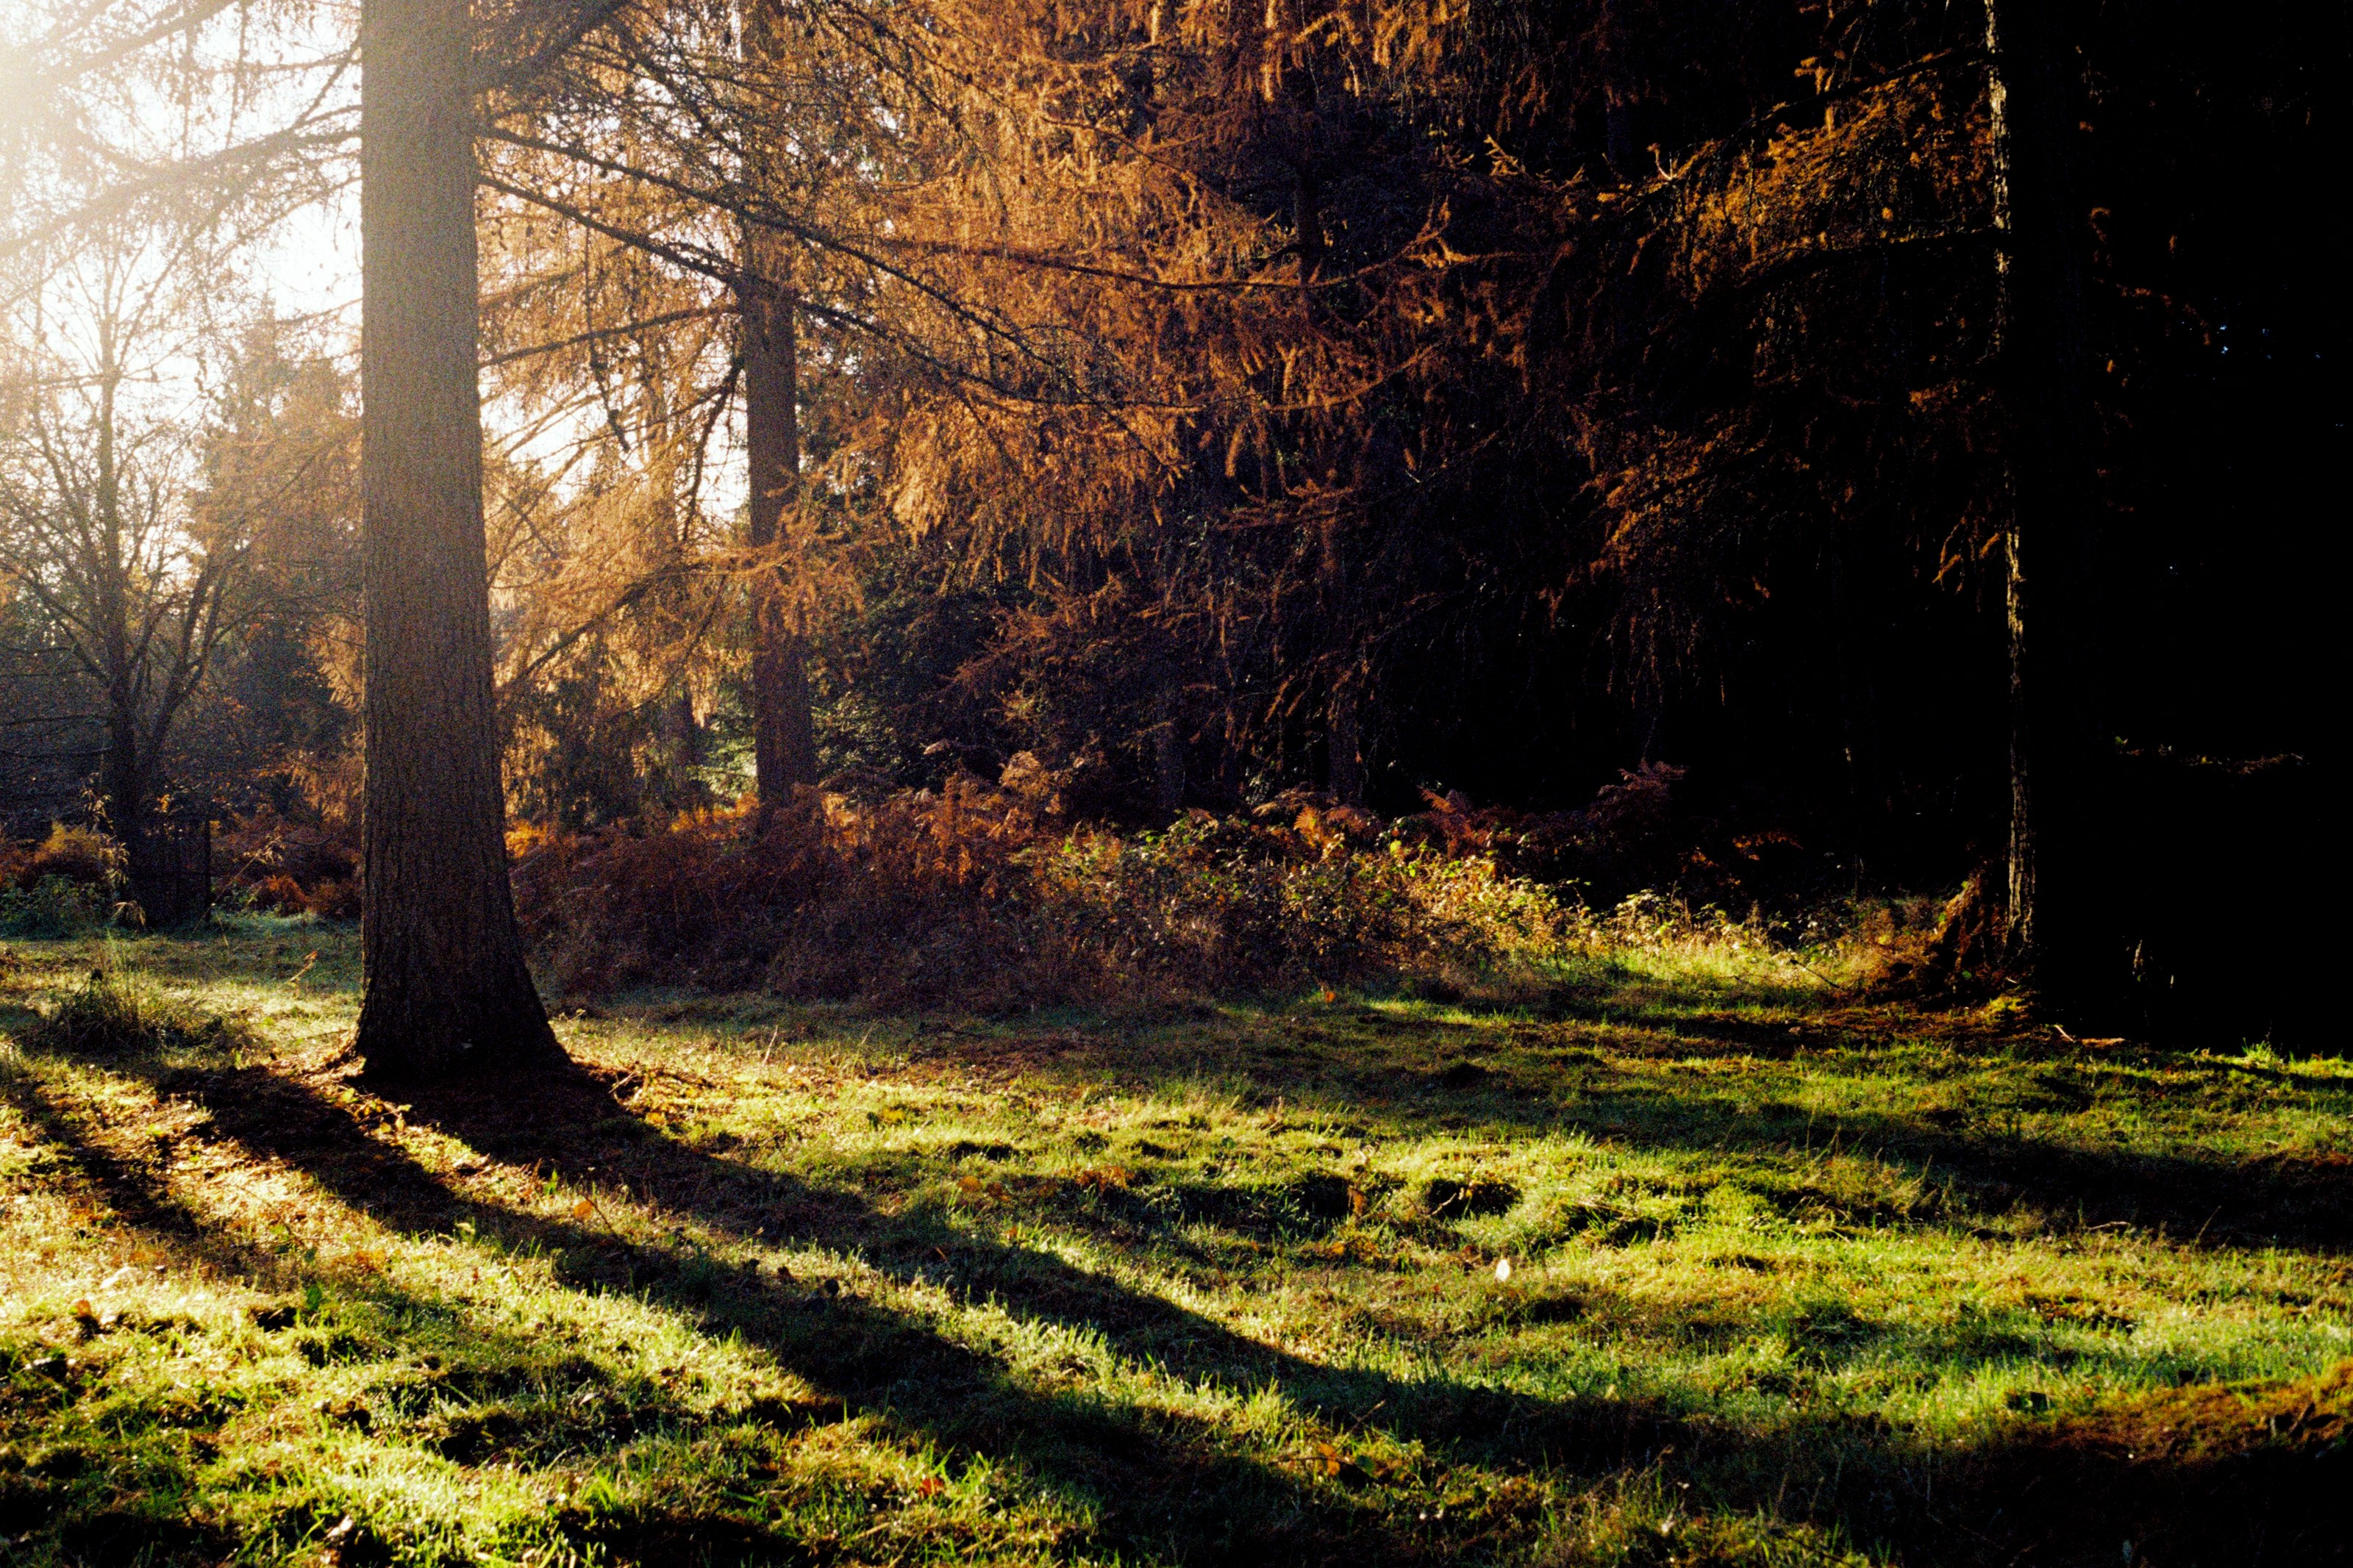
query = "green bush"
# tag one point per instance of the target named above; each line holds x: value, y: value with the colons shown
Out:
x: 52, y: 906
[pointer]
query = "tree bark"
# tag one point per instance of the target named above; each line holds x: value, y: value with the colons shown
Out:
x: 447, y: 991
x: 1344, y: 746
x: 1168, y: 739
x: 783, y: 736
x: 2052, y: 533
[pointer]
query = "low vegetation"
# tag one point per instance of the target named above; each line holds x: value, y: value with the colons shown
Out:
x: 1689, y: 1253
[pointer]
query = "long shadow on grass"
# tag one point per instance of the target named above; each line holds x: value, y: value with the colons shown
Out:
x: 2305, y: 1204
x: 138, y: 1200
x: 1164, y: 1485
x: 1585, y: 1086
x: 1161, y: 1483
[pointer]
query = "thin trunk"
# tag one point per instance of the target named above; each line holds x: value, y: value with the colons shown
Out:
x: 1851, y: 652
x: 1618, y: 134
x: 1343, y: 738
x: 686, y: 753
x: 121, y: 783
x: 446, y: 990
x: 2052, y: 533
x: 1307, y: 219
x: 784, y: 736
x: 1232, y: 759
x: 123, y: 787
x: 1168, y: 741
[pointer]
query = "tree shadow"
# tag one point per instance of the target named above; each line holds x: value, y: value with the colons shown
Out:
x: 1161, y: 1484
x: 2303, y: 1205
x: 2281, y: 1200
x: 139, y: 1199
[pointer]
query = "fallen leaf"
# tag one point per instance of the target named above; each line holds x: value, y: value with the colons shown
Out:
x: 1503, y: 1270
x: 584, y: 1209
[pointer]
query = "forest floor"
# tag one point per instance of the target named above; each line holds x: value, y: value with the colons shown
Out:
x: 1705, y: 1261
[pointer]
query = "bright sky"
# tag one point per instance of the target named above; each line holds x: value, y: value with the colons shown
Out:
x: 258, y: 68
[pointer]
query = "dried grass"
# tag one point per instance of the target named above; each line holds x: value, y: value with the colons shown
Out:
x: 979, y: 894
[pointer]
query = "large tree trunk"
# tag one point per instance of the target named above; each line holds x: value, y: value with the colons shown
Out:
x: 446, y: 990
x: 2053, y: 530
x: 784, y: 737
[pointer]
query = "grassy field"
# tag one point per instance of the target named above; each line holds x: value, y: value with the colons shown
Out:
x: 1700, y: 1261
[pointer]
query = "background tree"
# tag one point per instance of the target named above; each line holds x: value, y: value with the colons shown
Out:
x: 2051, y: 543
x: 128, y: 585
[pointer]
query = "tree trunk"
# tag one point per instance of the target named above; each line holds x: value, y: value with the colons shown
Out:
x: 784, y: 736
x: 1344, y: 745
x: 1345, y: 737
x: 1618, y: 134
x: 2053, y: 528
x: 1168, y: 739
x: 446, y: 990
x: 122, y: 784
x: 122, y: 773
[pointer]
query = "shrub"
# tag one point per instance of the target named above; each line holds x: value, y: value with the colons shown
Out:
x: 115, y: 1013
x: 74, y: 854
x: 52, y: 906
x: 279, y: 893
x: 337, y: 899
x: 1212, y: 903
x: 977, y: 894
x: 290, y: 868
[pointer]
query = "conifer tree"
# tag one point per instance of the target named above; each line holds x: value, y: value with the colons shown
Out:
x: 447, y: 991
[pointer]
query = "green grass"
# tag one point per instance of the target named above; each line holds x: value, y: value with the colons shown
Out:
x: 1791, y: 1280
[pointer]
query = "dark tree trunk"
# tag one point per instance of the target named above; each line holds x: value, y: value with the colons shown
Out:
x: 1168, y: 739
x: 784, y: 736
x: 1618, y: 134
x: 446, y: 990
x: 1344, y: 744
x: 122, y: 784
x: 2051, y: 541
x: 1307, y: 219
x: 1343, y: 735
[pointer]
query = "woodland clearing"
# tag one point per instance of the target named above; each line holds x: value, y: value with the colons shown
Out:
x: 1696, y: 1259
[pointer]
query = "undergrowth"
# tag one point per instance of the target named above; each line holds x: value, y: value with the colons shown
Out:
x: 116, y: 1012
x: 984, y: 897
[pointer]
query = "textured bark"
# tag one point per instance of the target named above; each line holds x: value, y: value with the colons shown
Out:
x: 2050, y: 539
x: 783, y: 736
x: 446, y: 990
